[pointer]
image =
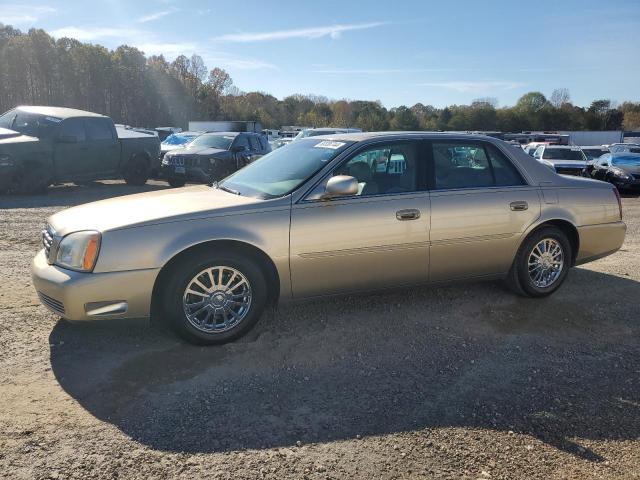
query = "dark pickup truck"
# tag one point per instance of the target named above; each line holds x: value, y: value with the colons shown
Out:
x: 40, y: 146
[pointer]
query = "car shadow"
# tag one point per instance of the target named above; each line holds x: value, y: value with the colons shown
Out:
x: 559, y: 369
x: 69, y: 194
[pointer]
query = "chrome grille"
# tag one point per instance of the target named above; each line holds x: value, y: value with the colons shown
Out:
x: 47, y: 239
x: 51, y: 303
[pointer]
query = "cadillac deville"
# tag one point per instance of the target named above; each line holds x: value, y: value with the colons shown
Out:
x: 322, y: 216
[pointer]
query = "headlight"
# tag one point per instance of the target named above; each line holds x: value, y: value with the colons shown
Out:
x: 165, y: 159
x: 616, y: 172
x: 79, y: 251
x: 5, y: 161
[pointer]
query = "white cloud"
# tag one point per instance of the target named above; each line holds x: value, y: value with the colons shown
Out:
x: 90, y: 34
x: 474, y: 87
x: 218, y: 59
x: 170, y: 50
x: 19, y: 15
x: 156, y: 16
x: 333, y: 31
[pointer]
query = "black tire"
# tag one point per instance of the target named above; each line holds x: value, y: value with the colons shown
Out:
x: 137, y: 171
x: 32, y: 178
x: 180, y: 277
x: 176, y: 182
x: 519, y: 279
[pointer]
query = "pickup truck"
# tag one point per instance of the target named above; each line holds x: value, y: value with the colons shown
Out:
x: 41, y: 146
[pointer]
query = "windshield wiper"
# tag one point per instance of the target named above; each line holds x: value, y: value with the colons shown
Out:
x: 227, y: 189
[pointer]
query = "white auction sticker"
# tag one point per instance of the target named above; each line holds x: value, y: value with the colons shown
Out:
x: 329, y: 144
x: 53, y: 119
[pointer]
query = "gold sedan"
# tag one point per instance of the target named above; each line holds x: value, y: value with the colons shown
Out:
x: 321, y: 216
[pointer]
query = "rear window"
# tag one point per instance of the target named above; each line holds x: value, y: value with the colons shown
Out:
x: 562, y: 154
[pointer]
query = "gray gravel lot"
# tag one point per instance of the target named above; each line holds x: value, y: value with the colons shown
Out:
x: 465, y: 381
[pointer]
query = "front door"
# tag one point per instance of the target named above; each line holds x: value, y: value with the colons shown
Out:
x: 480, y: 205
x: 375, y: 239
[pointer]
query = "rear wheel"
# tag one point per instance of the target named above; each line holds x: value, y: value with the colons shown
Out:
x: 215, y: 298
x: 137, y: 171
x: 542, y: 263
x: 176, y: 182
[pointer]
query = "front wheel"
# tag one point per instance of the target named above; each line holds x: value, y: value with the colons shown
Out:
x: 215, y: 298
x: 176, y: 182
x: 542, y: 263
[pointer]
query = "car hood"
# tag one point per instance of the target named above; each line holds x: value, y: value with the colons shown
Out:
x: 635, y: 169
x: 11, y: 136
x: 200, y: 151
x: 166, y: 148
x: 161, y: 206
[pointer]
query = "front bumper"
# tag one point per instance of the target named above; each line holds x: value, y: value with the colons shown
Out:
x: 190, y: 174
x: 86, y: 296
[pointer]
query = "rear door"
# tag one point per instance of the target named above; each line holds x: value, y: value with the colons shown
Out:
x: 375, y: 239
x: 480, y: 205
x: 103, y: 145
x: 71, y: 152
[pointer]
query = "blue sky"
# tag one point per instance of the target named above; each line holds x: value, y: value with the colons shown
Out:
x: 400, y: 52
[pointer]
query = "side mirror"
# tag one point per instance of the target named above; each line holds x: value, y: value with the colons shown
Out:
x: 67, y: 139
x: 238, y: 148
x: 341, y: 186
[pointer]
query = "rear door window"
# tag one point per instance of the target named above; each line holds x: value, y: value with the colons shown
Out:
x: 255, y: 145
x: 74, y: 127
x: 98, y: 129
x: 472, y: 165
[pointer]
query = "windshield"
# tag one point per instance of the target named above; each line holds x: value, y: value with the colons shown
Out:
x: 593, y: 153
x: 285, y: 169
x: 178, y: 139
x: 626, y: 161
x: 222, y: 142
x: 31, y: 124
x: 562, y: 154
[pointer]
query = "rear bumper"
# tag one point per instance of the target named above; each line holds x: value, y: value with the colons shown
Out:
x: 86, y: 296
x: 597, y: 241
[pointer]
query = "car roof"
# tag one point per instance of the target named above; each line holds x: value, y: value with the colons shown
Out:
x: 220, y: 134
x: 58, y: 112
x: 625, y: 154
x: 362, y: 136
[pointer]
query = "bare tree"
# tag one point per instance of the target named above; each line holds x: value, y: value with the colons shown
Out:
x: 559, y: 97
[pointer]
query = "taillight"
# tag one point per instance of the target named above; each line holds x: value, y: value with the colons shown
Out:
x: 615, y: 190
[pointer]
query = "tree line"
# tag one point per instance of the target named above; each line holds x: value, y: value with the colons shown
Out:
x: 36, y: 69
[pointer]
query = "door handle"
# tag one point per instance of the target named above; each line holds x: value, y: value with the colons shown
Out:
x: 408, y: 214
x: 518, y: 206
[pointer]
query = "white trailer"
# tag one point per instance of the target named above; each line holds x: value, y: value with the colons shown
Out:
x: 225, y: 126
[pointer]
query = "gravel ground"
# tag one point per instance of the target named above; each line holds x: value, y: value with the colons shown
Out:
x: 466, y: 381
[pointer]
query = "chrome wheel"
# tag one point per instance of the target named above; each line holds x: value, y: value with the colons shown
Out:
x: 217, y: 299
x: 546, y: 262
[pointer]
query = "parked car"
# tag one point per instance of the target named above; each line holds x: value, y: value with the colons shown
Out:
x: 591, y: 152
x: 622, y: 169
x: 40, y: 146
x: 624, y: 147
x: 330, y: 215
x: 281, y: 142
x: 212, y: 156
x: 530, y: 148
x: 176, y: 140
x: 164, y: 132
x: 314, y: 132
x: 565, y: 159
